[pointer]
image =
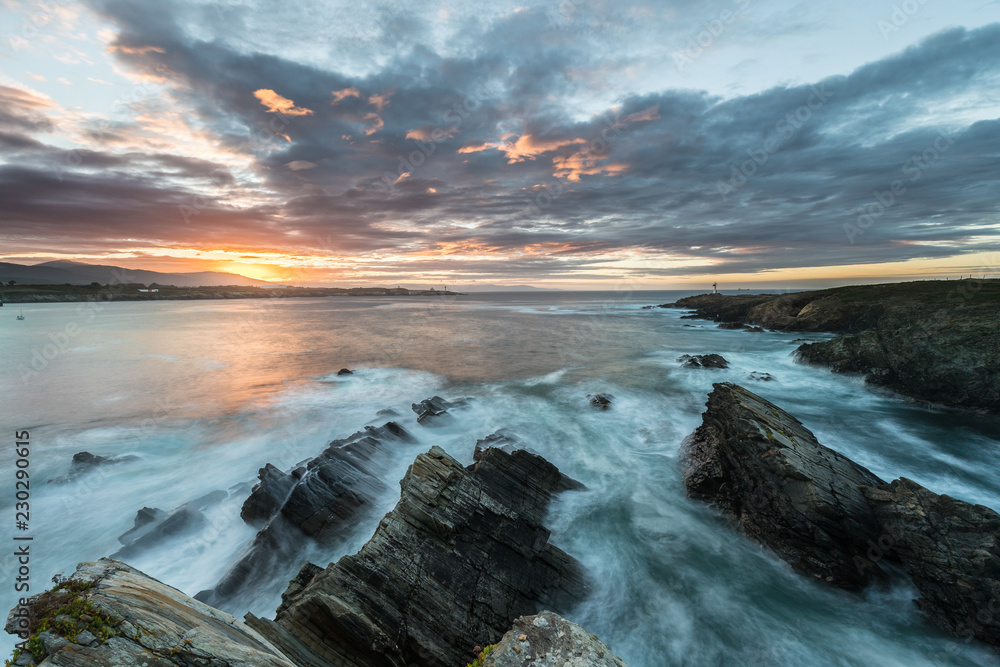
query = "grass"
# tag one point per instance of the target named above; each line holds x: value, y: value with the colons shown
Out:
x: 478, y: 662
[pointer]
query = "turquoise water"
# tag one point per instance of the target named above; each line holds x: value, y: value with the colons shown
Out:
x: 206, y: 392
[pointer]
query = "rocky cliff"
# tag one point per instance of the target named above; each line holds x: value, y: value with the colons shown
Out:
x: 462, y: 555
x: 937, y: 341
x: 831, y: 518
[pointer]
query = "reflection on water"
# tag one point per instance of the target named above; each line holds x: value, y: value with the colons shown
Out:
x: 207, y: 392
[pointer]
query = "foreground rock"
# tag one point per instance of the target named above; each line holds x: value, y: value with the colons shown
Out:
x: 760, y: 465
x: 462, y: 555
x: 934, y: 340
x: 316, y: 500
x: 85, y: 462
x: 549, y: 640
x: 143, y: 621
x: 951, y: 549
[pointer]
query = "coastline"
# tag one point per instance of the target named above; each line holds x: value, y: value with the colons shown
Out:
x: 130, y: 292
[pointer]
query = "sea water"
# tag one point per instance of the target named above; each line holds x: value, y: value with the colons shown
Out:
x: 204, y: 393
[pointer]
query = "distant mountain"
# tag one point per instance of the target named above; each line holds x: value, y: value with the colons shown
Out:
x: 500, y: 288
x: 78, y: 273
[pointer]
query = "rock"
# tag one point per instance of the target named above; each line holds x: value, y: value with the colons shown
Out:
x: 153, y: 527
x: 461, y: 556
x: 434, y: 407
x: 84, y: 462
x: 549, y: 640
x: 502, y: 439
x: 268, y: 496
x: 329, y: 492
x: 600, y: 401
x: 761, y: 466
x: 386, y: 413
x: 761, y: 377
x: 703, y: 361
x: 951, y: 550
x: 730, y: 325
x: 345, y: 371
x: 143, y: 519
x: 754, y: 329
x: 159, y: 626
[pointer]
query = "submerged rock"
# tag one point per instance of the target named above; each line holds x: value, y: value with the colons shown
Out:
x: 84, y: 462
x: 549, y: 640
x: 430, y: 409
x: 730, y: 325
x: 152, y: 527
x: 761, y: 376
x: 328, y: 493
x: 703, y: 361
x: 345, y: 371
x: 761, y: 466
x: 951, y: 549
x: 143, y: 622
x: 600, y: 401
x: 461, y: 556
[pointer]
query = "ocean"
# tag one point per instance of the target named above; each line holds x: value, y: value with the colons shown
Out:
x: 204, y: 393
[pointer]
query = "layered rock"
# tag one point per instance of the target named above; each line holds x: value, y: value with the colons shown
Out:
x: 430, y: 410
x: 143, y: 622
x: 325, y: 495
x: 153, y: 527
x: 951, y: 550
x: 462, y: 555
x: 549, y: 640
x: 761, y: 466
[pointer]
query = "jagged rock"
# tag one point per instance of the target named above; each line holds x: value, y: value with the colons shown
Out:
x: 345, y: 371
x: 730, y: 325
x: 461, y: 556
x: 754, y: 329
x: 434, y: 407
x: 330, y: 493
x: 269, y: 495
x: 600, y: 401
x: 549, y: 640
x: 84, y: 462
x: 703, y: 361
x: 760, y: 465
x: 152, y: 527
x: 951, y: 549
x: 160, y: 627
x: 502, y: 439
x: 761, y: 376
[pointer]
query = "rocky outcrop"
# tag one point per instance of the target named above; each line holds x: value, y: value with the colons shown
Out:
x: 951, y: 550
x: 703, y: 361
x: 84, y: 462
x: 432, y: 409
x: 153, y: 527
x: 327, y: 493
x: 831, y: 518
x: 600, y: 401
x: 111, y: 615
x: 549, y: 640
x: 936, y: 341
x: 764, y: 468
x: 462, y: 555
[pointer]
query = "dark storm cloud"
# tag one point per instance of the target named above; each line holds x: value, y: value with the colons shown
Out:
x: 792, y: 176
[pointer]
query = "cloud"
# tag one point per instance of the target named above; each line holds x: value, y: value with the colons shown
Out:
x: 339, y: 95
x: 275, y: 103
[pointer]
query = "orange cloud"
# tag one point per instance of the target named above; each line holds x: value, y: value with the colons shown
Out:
x: 135, y: 50
x: 652, y: 113
x: 526, y: 147
x: 432, y: 134
x: 275, y: 103
x: 379, y: 101
x: 376, y: 126
x: 584, y: 162
x: 339, y: 95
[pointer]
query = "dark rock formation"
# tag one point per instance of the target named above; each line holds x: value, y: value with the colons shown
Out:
x: 84, y: 462
x: 269, y: 494
x: 461, y: 556
x: 760, y: 465
x: 142, y: 524
x: 951, y: 549
x: 600, y: 401
x: 153, y: 527
x: 761, y: 377
x: 430, y: 409
x: 502, y: 439
x: 149, y: 623
x: 703, y: 361
x: 754, y: 330
x: 730, y: 325
x: 549, y: 640
x: 345, y: 371
x: 328, y: 494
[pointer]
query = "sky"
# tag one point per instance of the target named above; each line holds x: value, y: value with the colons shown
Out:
x: 566, y: 143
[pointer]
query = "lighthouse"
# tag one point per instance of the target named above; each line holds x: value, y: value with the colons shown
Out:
x: 715, y: 289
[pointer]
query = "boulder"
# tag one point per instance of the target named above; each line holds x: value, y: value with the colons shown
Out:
x: 140, y: 622
x: 549, y: 640
x: 461, y: 556
x: 951, y: 550
x: 600, y: 401
x: 761, y: 466
x: 345, y: 371
x: 703, y: 361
